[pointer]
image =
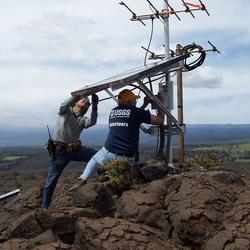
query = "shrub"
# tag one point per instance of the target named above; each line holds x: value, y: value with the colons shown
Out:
x: 119, y: 174
x: 208, y: 161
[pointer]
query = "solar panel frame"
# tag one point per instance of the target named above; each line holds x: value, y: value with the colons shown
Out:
x: 131, y: 76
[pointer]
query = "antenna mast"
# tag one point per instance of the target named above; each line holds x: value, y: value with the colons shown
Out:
x: 166, y: 87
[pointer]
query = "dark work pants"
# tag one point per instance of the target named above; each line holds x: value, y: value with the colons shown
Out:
x: 58, y: 162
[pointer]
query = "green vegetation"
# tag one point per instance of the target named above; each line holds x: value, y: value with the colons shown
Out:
x: 36, y: 158
x: 115, y: 172
x: 120, y: 175
x: 208, y: 161
x: 13, y: 158
x: 234, y: 148
x: 243, y: 160
x: 226, y: 152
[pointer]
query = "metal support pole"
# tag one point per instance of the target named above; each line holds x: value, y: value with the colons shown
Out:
x: 112, y: 96
x: 180, y: 108
x: 167, y: 56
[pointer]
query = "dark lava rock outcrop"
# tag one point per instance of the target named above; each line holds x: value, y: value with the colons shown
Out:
x: 194, y: 210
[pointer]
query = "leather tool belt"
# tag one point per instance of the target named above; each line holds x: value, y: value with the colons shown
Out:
x: 69, y: 147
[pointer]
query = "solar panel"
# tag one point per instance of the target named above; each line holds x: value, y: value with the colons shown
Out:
x: 131, y: 76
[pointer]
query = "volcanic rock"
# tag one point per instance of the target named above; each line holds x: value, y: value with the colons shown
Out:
x: 112, y: 234
x: 195, y: 210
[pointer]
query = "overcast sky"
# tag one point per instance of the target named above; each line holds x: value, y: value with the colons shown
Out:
x: 50, y: 48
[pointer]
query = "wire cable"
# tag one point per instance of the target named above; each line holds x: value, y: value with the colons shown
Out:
x: 158, y: 15
x: 150, y: 39
x: 194, y: 48
x: 173, y: 75
x: 156, y: 79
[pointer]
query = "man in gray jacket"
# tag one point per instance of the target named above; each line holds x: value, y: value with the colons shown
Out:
x: 66, y: 141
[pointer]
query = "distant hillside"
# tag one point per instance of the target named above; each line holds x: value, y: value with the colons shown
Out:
x: 195, y: 134
x: 217, y: 133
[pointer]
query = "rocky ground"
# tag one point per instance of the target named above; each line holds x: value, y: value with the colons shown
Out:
x: 198, y: 209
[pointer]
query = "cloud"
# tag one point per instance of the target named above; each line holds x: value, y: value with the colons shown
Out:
x: 50, y: 48
x: 58, y: 37
x: 31, y: 97
x: 68, y: 40
x: 203, y: 77
x: 218, y: 110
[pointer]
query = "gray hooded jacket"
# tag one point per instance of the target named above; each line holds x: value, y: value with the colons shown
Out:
x: 69, y: 126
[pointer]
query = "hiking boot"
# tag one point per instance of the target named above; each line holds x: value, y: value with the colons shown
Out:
x: 77, y: 185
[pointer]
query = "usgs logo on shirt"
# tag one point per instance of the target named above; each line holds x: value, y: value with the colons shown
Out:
x: 120, y: 113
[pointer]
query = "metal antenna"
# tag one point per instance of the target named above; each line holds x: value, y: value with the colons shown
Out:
x: 157, y: 13
x: 214, y: 48
x: 188, y: 9
x: 198, y: 49
x: 134, y: 16
x: 167, y: 87
x: 163, y: 14
x: 49, y: 132
x: 203, y: 7
x: 172, y: 10
x: 171, y: 53
x: 153, y: 55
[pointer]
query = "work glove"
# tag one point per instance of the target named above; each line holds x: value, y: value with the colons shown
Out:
x: 146, y: 100
x: 95, y: 99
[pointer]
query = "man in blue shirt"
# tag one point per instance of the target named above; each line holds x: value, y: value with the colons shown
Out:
x: 123, y: 137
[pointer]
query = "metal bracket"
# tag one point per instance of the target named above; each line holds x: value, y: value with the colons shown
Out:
x: 111, y: 95
x: 159, y: 104
x: 154, y: 130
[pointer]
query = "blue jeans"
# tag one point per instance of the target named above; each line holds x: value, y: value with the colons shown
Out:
x: 58, y: 162
x: 101, y: 157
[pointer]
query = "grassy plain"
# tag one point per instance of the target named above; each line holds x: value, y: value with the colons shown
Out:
x: 234, y: 148
x: 233, y: 152
x: 13, y: 158
x: 37, y: 159
x: 23, y: 167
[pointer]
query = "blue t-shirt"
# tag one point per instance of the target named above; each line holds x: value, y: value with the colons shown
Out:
x: 124, y: 123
